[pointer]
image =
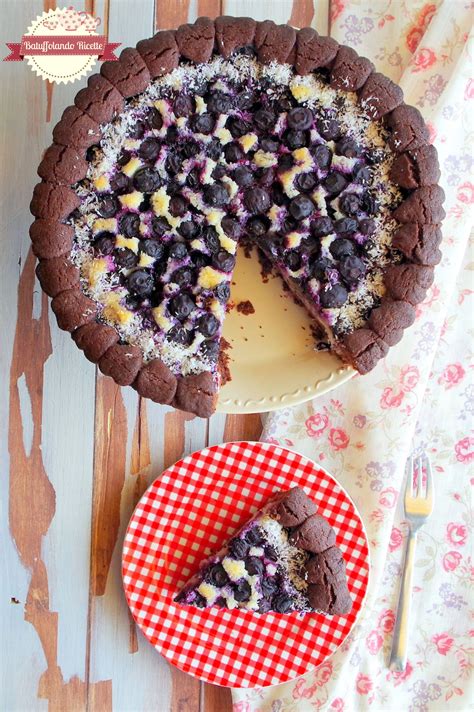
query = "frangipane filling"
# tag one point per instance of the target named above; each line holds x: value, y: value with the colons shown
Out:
x: 221, y: 152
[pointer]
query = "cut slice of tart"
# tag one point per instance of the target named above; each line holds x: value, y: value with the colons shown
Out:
x: 284, y: 559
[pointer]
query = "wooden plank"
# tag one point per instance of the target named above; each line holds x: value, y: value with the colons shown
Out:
x: 50, y: 397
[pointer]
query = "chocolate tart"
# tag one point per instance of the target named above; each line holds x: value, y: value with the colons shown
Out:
x: 219, y: 133
x: 284, y: 559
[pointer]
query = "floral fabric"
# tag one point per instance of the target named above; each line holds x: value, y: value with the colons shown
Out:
x: 420, y: 397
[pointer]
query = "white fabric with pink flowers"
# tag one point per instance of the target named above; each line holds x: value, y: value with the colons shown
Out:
x: 420, y: 397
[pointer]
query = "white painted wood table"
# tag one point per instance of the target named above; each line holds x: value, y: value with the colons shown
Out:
x: 77, y: 451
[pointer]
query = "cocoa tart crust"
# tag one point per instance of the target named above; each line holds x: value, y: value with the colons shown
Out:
x: 65, y: 163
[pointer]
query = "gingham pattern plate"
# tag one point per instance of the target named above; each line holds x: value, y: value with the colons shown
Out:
x: 190, y: 511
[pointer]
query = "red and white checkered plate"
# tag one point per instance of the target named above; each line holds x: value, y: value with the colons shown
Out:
x: 190, y: 511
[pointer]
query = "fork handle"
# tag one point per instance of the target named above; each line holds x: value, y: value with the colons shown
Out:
x: 398, y: 656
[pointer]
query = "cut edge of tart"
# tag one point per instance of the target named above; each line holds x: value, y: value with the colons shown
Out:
x: 283, y: 560
x: 151, y: 182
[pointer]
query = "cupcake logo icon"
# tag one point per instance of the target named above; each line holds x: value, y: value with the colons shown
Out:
x: 62, y: 45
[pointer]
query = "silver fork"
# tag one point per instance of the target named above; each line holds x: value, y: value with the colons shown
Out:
x: 418, y: 507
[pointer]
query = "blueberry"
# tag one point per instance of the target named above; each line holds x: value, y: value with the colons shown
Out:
x: 105, y: 243
x: 125, y: 258
x: 192, y: 179
x: 285, y: 162
x: 159, y: 225
x: 150, y: 149
x: 266, y: 177
x: 178, y: 206
x: 288, y: 224
x: 172, y: 135
x: 322, y: 155
x: 269, y: 144
x: 190, y: 149
x: 201, y: 88
x: 183, y: 105
x: 91, y: 153
x: 124, y: 158
x: 199, y: 600
x: 342, y: 247
x: 301, y: 207
x: 173, y: 187
x: 180, y: 335
x: 334, y: 183
x: 108, y: 206
x: 349, y: 203
x: 367, y: 226
x: 173, y: 163
x: 292, y: 259
x: 284, y: 103
x: 210, y: 349
x: 181, y: 306
x: 219, y: 103
x: 223, y: 260
x: 188, y: 229
x: 138, y: 129
x: 264, y: 119
x: 199, y: 259
x: 362, y: 175
x: 242, y: 591
x: 208, y: 325
x: 237, y: 127
x: 133, y: 302
x: 300, y: 118
x: 254, y: 566
x: 278, y: 194
x: 120, y: 183
x: 214, y: 149
x: 268, y: 586
x: 154, y: 119
x: 219, y: 172
x: 369, y: 204
x: 254, y: 536
x: 345, y: 225
x: 321, y: 226
x: 182, y: 277
x: 347, y: 147
x: 211, y: 238
x: 245, y: 99
x: 296, y: 139
x: 178, y: 251
x: 231, y: 227
x: 129, y: 224
x: 329, y: 129
x: 223, y: 292
x: 333, y: 297
x: 257, y: 200
x: 281, y: 603
x: 217, y: 575
x: 203, y: 123
x: 153, y: 248
x: 352, y: 268
x: 257, y: 226
x: 243, y: 176
x: 216, y: 195
x: 233, y: 153
x: 305, y: 181
x: 141, y: 282
x: 238, y: 548
x: 271, y: 553
x: 320, y: 267
x: 146, y: 180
